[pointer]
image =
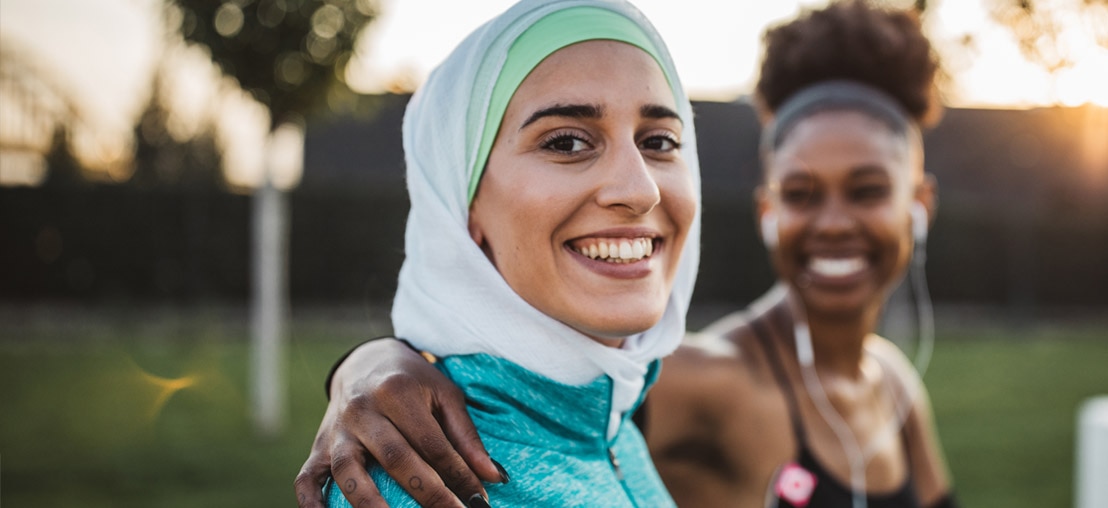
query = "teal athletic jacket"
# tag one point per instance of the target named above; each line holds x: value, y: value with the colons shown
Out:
x: 550, y: 437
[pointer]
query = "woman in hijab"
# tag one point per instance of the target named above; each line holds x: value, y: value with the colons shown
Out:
x: 551, y: 248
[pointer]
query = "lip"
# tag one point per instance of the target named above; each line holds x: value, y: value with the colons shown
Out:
x: 627, y: 271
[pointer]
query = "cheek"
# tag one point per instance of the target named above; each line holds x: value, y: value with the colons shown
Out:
x: 894, y: 233
x: 679, y: 199
x: 521, y: 218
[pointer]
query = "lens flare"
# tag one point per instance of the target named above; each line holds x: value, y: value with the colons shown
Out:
x: 162, y: 388
x: 166, y: 389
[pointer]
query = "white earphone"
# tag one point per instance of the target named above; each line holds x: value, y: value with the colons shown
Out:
x: 769, y: 229
x: 919, y: 221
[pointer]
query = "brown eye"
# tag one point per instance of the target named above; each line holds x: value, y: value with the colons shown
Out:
x: 660, y: 144
x: 869, y: 192
x: 566, y: 144
x: 798, y: 196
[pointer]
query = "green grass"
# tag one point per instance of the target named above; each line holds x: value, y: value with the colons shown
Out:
x: 1006, y: 410
x: 89, y: 415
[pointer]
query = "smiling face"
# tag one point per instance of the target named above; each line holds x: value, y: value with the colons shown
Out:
x: 586, y: 202
x: 841, y: 185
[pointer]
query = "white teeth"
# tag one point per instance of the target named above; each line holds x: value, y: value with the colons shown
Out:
x: 618, y: 251
x: 625, y: 250
x: 836, y: 267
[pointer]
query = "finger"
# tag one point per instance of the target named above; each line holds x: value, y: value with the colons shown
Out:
x: 467, y: 442
x: 348, y: 469
x: 316, y: 470
x: 309, y: 482
x: 424, y: 434
x: 397, y: 458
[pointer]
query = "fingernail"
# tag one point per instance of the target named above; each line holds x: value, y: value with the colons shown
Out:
x: 504, y: 478
x: 478, y: 501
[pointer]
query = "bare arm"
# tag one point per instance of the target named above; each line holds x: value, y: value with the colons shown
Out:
x: 928, y: 462
x: 390, y: 405
x: 929, y: 467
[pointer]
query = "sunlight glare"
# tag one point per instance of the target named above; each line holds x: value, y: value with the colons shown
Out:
x: 166, y: 388
x: 1086, y: 83
x: 241, y: 138
x: 1094, y: 132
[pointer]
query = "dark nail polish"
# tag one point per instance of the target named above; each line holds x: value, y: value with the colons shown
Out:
x: 504, y: 478
x: 478, y: 501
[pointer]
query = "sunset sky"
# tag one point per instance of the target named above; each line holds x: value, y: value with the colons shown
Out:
x: 716, y: 47
x: 103, y: 52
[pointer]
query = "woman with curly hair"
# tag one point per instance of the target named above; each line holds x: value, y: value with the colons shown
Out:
x: 796, y: 401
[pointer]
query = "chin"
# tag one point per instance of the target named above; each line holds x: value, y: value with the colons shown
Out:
x: 630, y: 322
x: 847, y: 304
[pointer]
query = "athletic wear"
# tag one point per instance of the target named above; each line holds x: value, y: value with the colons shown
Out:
x: 550, y: 437
x: 805, y: 482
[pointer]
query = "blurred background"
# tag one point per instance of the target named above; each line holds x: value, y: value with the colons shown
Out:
x: 202, y: 206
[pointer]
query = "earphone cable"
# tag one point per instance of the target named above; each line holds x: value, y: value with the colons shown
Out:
x: 805, y: 355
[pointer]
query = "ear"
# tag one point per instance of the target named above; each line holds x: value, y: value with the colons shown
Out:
x: 476, y: 232
x: 767, y: 217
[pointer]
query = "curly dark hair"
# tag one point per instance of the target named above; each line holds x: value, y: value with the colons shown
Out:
x: 853, y: 40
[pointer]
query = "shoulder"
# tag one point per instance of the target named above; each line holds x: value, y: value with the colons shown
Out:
x: 716, y: 414
x: 713, y: 385
x: 904, y: 374
x: 706, y: 365
x: 929, y: 466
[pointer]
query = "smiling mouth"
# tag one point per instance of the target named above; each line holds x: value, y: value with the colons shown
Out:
x: 615, y: 250
x: 836, y: 267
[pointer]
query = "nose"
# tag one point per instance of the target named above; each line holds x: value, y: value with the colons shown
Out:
x: 834, y: 218
x: 628, y: 181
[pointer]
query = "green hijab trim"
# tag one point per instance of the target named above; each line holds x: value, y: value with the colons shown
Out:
x: 553, y: 32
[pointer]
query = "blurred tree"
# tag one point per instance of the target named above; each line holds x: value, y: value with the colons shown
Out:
x: 1096, y: 18
x: 163, y: 159
x: 1040, y: 27
x: 64, y: 170
x: 40, y: 114
x: 916, y: 5
x: 291, y: 55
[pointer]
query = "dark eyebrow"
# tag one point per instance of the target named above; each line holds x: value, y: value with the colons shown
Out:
x: 657, y: 111
x: 869, y: 170
x: 591, y: 111
x: 566, y: 110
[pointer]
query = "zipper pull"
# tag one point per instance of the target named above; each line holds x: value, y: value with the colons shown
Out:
x: 615, y: 464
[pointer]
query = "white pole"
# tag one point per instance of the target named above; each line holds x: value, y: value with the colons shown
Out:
x: 282, y: 166
x: 269, y: 307
x: 1091, y: 475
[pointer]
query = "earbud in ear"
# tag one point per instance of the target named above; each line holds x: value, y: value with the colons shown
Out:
x: 919, y: 221
x: 769, y: 229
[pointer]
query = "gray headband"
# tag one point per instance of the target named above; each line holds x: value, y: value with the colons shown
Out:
x: 835, y: 95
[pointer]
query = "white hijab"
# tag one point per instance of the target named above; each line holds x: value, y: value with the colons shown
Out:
x: 450, y: 299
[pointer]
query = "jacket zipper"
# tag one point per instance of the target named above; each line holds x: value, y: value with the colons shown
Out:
x: 615, y: 464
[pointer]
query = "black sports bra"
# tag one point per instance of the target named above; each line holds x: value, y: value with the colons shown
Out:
x: 805, y: 483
